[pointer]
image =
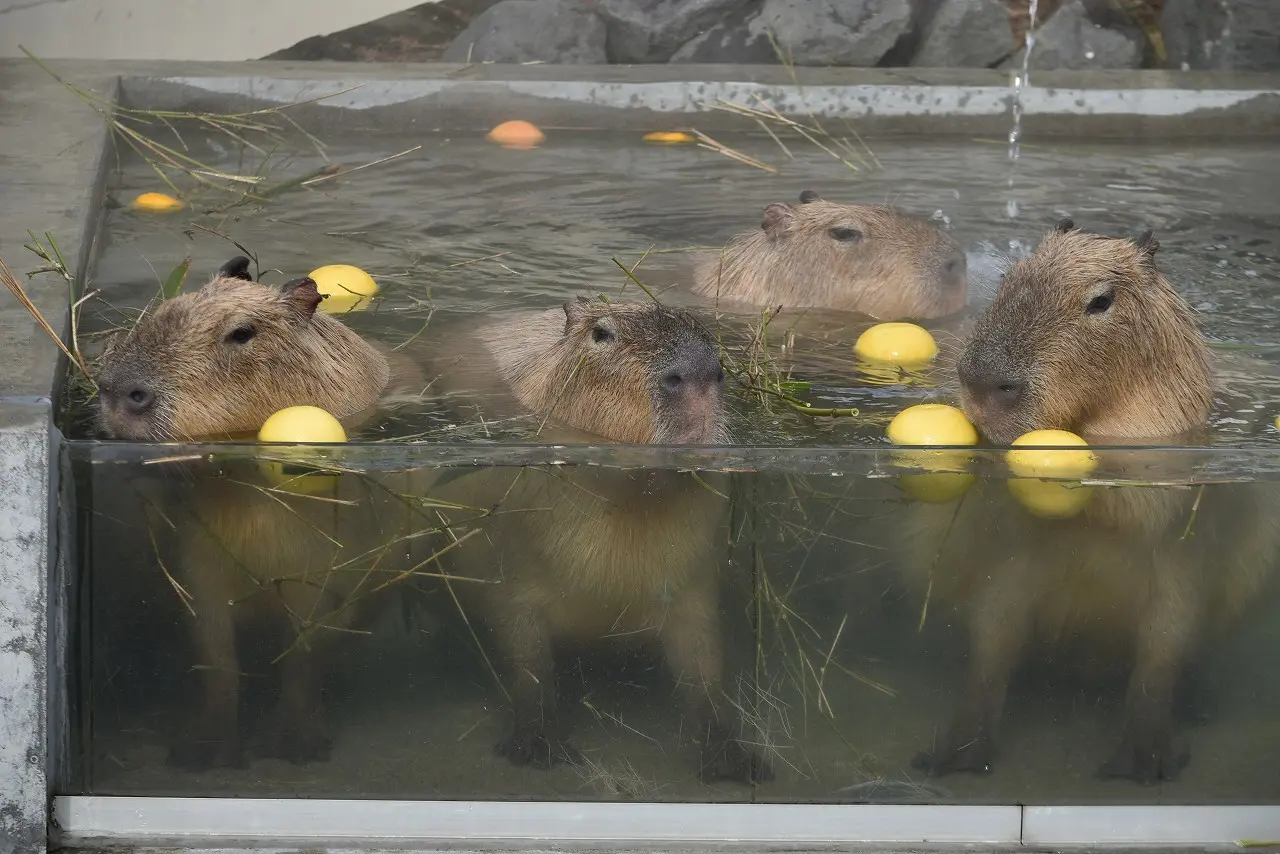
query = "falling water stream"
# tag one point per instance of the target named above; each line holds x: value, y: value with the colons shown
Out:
x: 1020, y: 82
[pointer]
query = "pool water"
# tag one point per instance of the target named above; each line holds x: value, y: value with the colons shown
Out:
x: 843, y: 665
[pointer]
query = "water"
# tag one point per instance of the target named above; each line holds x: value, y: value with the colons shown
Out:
x: 1020, y: 81
x: 845, y: 604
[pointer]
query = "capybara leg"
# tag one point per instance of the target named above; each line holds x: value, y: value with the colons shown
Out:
x: 536, y: 738
x: 301, y: 728
x: 213, y: 737
x: 693, y: 646
x: 999, y: 623
x: 1149, y: 752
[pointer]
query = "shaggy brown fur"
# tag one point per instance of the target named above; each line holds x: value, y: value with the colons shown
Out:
x: 593, y: 554
x: 216, y: 363
x: 1087, y: 335
x: 250, y: 351
x: 862, y: 258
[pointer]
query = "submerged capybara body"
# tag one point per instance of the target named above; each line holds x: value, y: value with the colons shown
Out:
x: 243, y: 550
x: 596, y: 554
x: 818, y: 254
x: 1087, y: 335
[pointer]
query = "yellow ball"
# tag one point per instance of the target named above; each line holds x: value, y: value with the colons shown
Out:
x: 1050, y: 499
x: 896, y: 343
x: 1051, y: 463
x: 347, y: 288
x: 157, y: 203
x: 668, y: 137
x: 932, y: 424
x: 937, y: 487
x: 300, y: 424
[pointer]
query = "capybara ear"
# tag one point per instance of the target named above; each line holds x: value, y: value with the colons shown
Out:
x: 236, y: 268
x: 1064, y: 225
x: 302, y: 295
x: 776, y: 219
x: 807, y: 196
x: 1148, y: 244
x: 574, y: 311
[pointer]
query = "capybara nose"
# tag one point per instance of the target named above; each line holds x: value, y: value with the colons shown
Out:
x: 956, y: 271
x: 139, y: 399
x: 1001, y: 393
x: 702, y: 371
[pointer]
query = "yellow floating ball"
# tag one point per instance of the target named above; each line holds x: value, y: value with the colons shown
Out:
x: 300, y: 425
x: 347, y: 288
x: 1046, y: 462
x: 933, y: 424
x: 1050, y: 499
x: 896, y: 343
x: 668, y: 137
x: 156, y: 203
x: 517, y: 134
x: 937, y: 487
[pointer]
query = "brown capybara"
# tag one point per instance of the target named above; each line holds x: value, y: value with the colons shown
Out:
x: 868, y: 259
x: 215, y: 364
x: 598, y: 554
x: 1087, y: 335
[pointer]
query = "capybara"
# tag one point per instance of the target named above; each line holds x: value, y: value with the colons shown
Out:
x: 1087, y: 335
x: 215, y: 364
x: 868, y: 259
x: 600, y: 554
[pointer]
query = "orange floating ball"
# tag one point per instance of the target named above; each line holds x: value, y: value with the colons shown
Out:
x: 156, y: 202
x: 517, y: 134
x: 668, y: 137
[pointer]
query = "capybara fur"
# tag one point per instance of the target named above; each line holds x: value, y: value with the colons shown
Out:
x: 868, y: 259
x: 1087, y: 335
x: 215, y: 364
x: 595, y: 555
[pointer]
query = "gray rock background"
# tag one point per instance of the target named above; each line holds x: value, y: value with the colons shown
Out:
x: 561, y: 31
x: 1241, y: 35
x: 1072, y: 34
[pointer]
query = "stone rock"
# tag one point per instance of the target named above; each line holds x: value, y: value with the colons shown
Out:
x: 419, y: 34
x: 1236, y: 35
x: 555, y: 31
x: 652, y: 30
x: 966, y: 34
x: 732, y: 41
x: 827, y: 32
x: 1070, y: 41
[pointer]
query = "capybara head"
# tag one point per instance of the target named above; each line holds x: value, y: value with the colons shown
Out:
x: 634, y: 374
x: 1087, y: 335
x: 220, y: 361
x: 863, y: 258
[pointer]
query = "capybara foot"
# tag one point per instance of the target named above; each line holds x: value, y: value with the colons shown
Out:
x: 1147, y: 761
x: 974, y: 756
x: 726, y: 758
x: 199, y: 751
x: 538, y: 748
x: 300, y: 738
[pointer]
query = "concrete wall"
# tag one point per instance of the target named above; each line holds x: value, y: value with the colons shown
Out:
x: 176, y: 29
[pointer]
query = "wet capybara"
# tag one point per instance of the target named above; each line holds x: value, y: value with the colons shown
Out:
x: 597, y: 555
x: 215, y: 364
x: 858, y: 258
x: 1087, y: 335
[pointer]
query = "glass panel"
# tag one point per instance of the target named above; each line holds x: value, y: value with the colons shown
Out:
x: 845, y: 620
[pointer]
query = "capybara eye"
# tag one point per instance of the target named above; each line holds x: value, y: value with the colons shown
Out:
x: 241, y: 334
x: 600, y: 335
x: 1101, y: 303
x: 845, y: 235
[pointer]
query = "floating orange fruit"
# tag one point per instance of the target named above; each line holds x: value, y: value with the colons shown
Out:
x: 668, y: 137
x: 517, y: 134
x: 157, y: 202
